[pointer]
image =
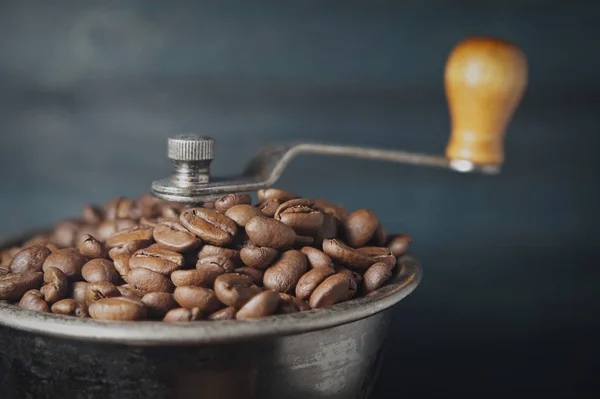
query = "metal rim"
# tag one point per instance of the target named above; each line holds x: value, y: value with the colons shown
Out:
x: 406, y: 278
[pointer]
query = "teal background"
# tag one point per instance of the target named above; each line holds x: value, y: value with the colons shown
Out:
x: 509, y: 303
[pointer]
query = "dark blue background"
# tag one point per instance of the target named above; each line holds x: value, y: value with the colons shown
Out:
x: 509, y: 302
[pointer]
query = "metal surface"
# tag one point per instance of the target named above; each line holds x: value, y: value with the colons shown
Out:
x: 191, y: 181
x: 326, y: 353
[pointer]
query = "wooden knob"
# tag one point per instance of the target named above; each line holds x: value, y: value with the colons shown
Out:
x: 485, y: 79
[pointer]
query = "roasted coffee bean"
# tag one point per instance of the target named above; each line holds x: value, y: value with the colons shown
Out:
x: 105, y: 229
x: 340, y: 252
x: 7, y: 255
x: 34, y: 300
x: 128, y: 248
x: 128, y: 292
x: 300, y: 215
x: 335, y: 289
x: 64, y: 233
x: 375, y: 277
x: 148, y: 205
x: 241, y: 214
x: 92, y: 214
x: 89, y: 247
x: 211, y: 226
x: 136, y: 233
x: 399, y: 244
x: 210, y: 250
x: 68, y: 260
x: 380, y: 254
x: 311, y: 280
x: 360, y: 226
x: 291, y: 304
x: 14, y: 285
x: 143, y: 281
x: 258, y: 257
x: 266, y: 232
x: 97, y: 291
x: 224, y: 314
x: 356, y: 277
x: 285, y: 273
x: 302, y: 241
x: 224, y: 203
x: 78, y: 291
x: 379, y: 237
x: 276, y: 194
x: 339, y: 213
x: 328, y: 230
x: 173, y: 236
x: 98, y: 270
x: 191, y: 297
x: 182, y: 315
x: 261, y: 305
x: 118, y: 309
x: 256, y: 274
x: 316, y: 258
x: 121, y: 264
x: 56, y: 285
x: 30, y: 259
x: 4, y: 270
x: 234, y: 289
x: 121, y: 208
x: 268, y: 208
x: 151, y: 222
x: 203, y: 277
x: 70, y: 307
x: 222, y: 261
x: 169, y: 212
x: 159, y: 303
x: 40, y: 239
x: 209, y: 205
x: 85, y: 229
x: 157, y: 259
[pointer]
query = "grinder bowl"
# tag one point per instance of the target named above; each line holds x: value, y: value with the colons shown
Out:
x: 326, y: 353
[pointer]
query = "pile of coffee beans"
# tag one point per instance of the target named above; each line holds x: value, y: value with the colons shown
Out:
x: 137, y: 259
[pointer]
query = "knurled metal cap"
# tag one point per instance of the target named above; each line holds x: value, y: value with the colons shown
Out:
x: 190, y: 147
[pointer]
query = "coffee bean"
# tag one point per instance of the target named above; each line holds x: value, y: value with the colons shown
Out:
x: 78, y: 291
x: 157, y: 259
x: 375, y: 277
x: 68, y: 260
x: 13, y: 285
x: 224, y: 203
x: 379, y: 237
x: 29, y: 259
x: 34, y: 300
x: 7, y: 255
x: 97, y: 291
x: 128, y: 248
x: 227, y: 313
x: 105, y: 229
x: 221, y: 261
x: 169, y: 212
x: 337, y: 211
x: 4, y: 270
x: 209, y: 205
x: 291, y: 304
x: 316, y: 258
x: 340, y: 252
x: 159, y: 303
x: 256, y: 274
x: 92, y: 214
x: 85, y: 229
x: 241, y: 214
x: 399, y: 244
x: 285, y: 273
x: 128, y: 292
x: 234, y: 289
x: 98, y: 270
x: 380, y: 254
x: 191, y: 297
x: 360, y: 227
x: 335, y: 289
x: 182, y: 315
x: 203, y: 277
x: 56, y: 285
x: 151, y: 222
x: 302, y: 241
x: 118, y: 309
x: 89, y: 247
x: 356, y: 277
x: 300, y: 215
x: 276, y: 194
x: 328, y: 230
x: 261, y: 305
x: 311, y: 280
x: 64, y: 233
x: 211, y: 250
x: 258, y: 257
x: 40, y: 239
x: 121, y: 264
x: 143, y: 281
x: 268, y: 208
x: 121, y: 208
x: 173, y: 236
x: 266, y: 232
x: 69, y: 307
x: 211, y: 226
x: 136, y: 233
